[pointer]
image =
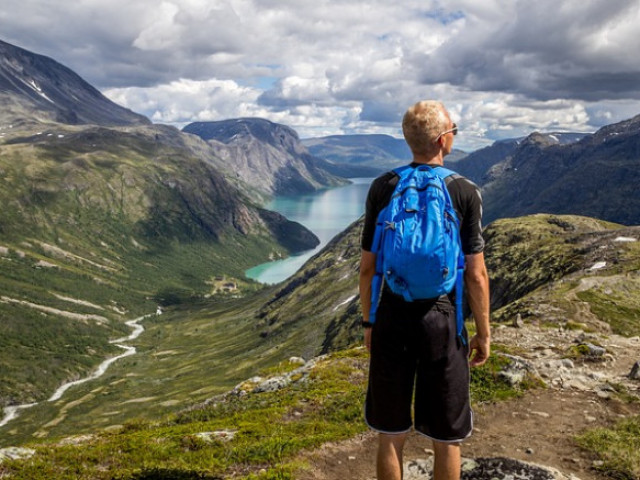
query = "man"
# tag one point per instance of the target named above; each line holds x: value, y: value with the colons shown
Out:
x: 414, y: 344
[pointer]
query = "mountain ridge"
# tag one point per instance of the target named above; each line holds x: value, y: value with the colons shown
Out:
x: 36, y: 88
x: 374, y: 153
x: 265, y: 155
x: 595, y: 176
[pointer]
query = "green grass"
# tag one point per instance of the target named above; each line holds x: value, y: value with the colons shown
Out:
x: 617, y: 448
x: 621, y: 309
x: 488, y: 386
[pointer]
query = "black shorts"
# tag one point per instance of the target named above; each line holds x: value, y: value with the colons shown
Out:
x: 415, y: 344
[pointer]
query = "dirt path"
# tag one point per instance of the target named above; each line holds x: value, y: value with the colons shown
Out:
x: 538, y: 427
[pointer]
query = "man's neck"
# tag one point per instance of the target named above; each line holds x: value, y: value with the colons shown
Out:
x: 429, y: 160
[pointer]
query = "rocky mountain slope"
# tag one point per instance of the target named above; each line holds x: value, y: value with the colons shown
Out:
x: 34, y: 88
x: 266, y: 156
x: 596, y: 176
x: 478, y: 166
x: 527, y: 257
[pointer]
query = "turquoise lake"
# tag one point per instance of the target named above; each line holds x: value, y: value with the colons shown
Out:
x: 325, y: 213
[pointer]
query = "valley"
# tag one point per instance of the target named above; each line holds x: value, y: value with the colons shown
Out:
x: 107, y: 218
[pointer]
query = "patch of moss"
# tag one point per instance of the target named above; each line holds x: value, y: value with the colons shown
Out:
x: 487, y: 385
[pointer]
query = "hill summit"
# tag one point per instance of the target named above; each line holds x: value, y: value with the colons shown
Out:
x: 265, y: 155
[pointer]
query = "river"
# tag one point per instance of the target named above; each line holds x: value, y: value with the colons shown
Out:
x: 325, y: 213
x: 12, y: 412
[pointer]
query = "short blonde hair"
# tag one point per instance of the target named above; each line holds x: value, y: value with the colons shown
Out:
x: 422, y: 124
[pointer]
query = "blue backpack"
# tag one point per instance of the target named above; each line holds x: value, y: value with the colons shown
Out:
x: 417, y: 241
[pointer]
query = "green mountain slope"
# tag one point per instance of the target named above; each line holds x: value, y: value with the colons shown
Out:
x: 566, y: 271
x: 100, y: 225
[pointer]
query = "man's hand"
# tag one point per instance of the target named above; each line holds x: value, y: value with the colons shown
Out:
x: 479, y: 350
x: 367, y: 338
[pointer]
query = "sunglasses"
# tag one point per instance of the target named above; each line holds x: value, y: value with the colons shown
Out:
x: 453, y: 130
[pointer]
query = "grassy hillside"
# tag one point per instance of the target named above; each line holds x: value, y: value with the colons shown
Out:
x: 99, y: 226
x: 568, y: 271
x: 319, y: 307
x: 139, y: 420
x: 244, y: 434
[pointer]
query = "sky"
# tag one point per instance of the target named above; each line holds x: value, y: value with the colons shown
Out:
x: 503, y: 68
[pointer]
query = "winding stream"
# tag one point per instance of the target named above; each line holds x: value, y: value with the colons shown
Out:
x: 12, y: 412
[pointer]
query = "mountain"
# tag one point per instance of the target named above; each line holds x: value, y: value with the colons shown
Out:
x: 104, y: 217
x: 35, y: 88
x: 266, y: 156
x: 374, y: 153
x: 478, y: 166
x: 596, y: 176
x: 108, y: 222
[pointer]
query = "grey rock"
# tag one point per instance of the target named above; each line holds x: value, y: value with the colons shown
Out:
x: 517, y: 322
x: 503, y: 468
x: 223, y: 435
x: 634, y: 374
x: 488, y: 468
x: 594, y: 350
x: 272, y: 385
x: 517, y: 369
x: 418, y: 469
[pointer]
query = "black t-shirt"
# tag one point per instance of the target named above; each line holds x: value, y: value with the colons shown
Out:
x: 465, y: 196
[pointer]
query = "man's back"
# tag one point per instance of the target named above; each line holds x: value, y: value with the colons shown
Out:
x: 465, y: 196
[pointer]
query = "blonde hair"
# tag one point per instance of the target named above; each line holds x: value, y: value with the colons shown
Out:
x: 422, y: 124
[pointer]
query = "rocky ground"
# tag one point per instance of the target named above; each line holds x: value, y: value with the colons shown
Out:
x: 528, y: 438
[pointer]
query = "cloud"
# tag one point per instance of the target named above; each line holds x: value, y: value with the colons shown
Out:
x: 348, y: 66
x: 545, y: 50
x: 184, y: 101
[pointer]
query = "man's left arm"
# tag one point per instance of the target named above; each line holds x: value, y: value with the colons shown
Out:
x: 477, y: 287
x: 476, y: 276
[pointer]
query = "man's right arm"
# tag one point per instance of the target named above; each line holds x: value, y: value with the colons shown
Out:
x: 367, y: 272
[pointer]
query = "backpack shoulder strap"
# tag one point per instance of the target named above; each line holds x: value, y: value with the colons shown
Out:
x: 443, y: 172
x: 402, y: 171
x: 447, y: 176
